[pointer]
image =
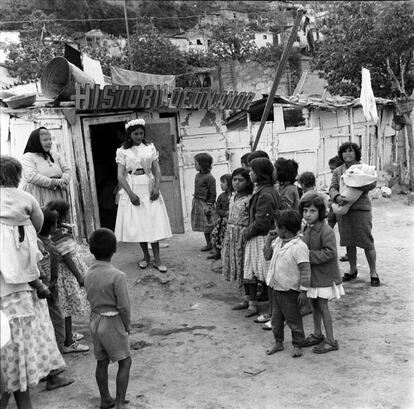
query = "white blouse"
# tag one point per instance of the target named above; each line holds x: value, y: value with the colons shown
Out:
x: 137, y: 157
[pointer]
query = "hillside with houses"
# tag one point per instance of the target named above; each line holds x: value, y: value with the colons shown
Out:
x: 260, y: 29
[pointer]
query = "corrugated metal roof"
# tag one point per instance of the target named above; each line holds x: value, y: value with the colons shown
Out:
x: 311, y: 101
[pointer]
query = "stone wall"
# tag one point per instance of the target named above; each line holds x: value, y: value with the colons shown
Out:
x: 250, y: 77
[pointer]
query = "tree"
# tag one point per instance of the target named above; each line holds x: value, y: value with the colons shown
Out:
x: 91, y: 14
x: 14, y: 12
x: 234, y: 41
x: 380, y: 37
x: 27, y: 59
x: 154, y: 54
x: 365, y: 34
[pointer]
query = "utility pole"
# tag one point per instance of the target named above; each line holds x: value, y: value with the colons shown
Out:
x: 127, y: 32
x: 279, y: 73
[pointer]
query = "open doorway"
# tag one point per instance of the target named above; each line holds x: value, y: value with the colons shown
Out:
x: 105, y: 140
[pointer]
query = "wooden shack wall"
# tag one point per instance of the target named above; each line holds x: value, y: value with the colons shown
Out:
x: 15, y: 131
x: 200, y: 131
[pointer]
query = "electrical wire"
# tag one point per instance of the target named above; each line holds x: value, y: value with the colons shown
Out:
x: 257, y: 13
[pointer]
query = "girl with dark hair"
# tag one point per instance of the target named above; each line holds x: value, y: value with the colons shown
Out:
x: 71, y: 274
x: 262, y: 209
x: 204, y: 198
x: 286, y: 173
x: 32, y: 351
x: 45, y: 174
x: 307, y: 181
x: 355, y: 226
x: 222, y: 212
x: 234, y: 245
x: 141, y: 216
x: 325, y: 280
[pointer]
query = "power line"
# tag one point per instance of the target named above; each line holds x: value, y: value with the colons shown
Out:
x: 258, y: 13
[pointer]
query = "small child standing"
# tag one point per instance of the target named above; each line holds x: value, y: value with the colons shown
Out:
x: 233, y: 244
x: 325, y: 281
x: 307, y: 182
x: 20, y: 218
x: 286, y: 172
x: 107, y: 291
x: 222, y: 211
x: 48, y: 268
x: 204, y: 198
x: 72, y: 269
x: 262, y: 208
x: 289, y: 277
x: 334, y: 163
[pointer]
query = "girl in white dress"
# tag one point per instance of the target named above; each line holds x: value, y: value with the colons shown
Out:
x: 142, y: 217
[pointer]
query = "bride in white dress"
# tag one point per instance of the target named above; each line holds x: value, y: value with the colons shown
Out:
x: 142, y: 217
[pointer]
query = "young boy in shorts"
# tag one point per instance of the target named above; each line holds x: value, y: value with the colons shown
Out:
x: 106, y: 287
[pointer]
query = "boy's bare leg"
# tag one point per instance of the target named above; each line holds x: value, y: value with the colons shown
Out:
x: 101, y: 375
x: 122, y: 379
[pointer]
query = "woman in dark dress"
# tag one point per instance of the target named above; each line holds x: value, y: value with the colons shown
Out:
x: 355, y: 226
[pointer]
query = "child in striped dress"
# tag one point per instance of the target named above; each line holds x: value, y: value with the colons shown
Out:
x: 262, y: 208
x: 234, y: 245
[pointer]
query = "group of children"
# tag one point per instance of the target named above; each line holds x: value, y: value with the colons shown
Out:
x: 273, y: 239
x: 271, y: 236
x: 42, y: 257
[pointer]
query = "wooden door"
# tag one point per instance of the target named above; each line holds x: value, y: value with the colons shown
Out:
x: 162, y: 133
x: 84, y: 161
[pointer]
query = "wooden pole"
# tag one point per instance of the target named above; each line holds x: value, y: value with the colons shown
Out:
x: 279, y: 73
x: 127, y: 33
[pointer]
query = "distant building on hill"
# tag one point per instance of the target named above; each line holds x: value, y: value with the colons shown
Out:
x: 263, y: 38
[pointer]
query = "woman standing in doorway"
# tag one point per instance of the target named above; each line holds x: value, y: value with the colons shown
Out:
x: 45, y: 174
x: 355, y: 226
x: 141, y: 217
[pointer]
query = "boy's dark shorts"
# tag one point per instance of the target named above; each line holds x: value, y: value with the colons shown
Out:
x: 109, y: 337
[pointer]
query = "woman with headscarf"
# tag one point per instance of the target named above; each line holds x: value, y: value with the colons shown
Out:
x: 45, y: 174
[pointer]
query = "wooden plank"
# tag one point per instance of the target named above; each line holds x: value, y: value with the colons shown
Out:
x: 81, y: 173
x: 96, y: 222
x: 279, y: 73
x: 162, y: 132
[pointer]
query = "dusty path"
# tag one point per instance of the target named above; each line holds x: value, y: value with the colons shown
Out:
x: 194, y: 352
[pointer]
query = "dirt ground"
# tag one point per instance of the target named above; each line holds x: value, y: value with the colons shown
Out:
x: 191, y: 351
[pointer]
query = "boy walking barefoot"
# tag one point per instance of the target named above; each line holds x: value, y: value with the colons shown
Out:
x: 289, y: 277
x: 106, y: 287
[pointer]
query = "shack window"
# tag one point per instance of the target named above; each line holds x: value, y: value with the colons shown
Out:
x: 293, y: 117
x: 264, y: 37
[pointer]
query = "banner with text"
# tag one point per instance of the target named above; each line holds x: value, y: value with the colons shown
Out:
x: 155, y: 96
